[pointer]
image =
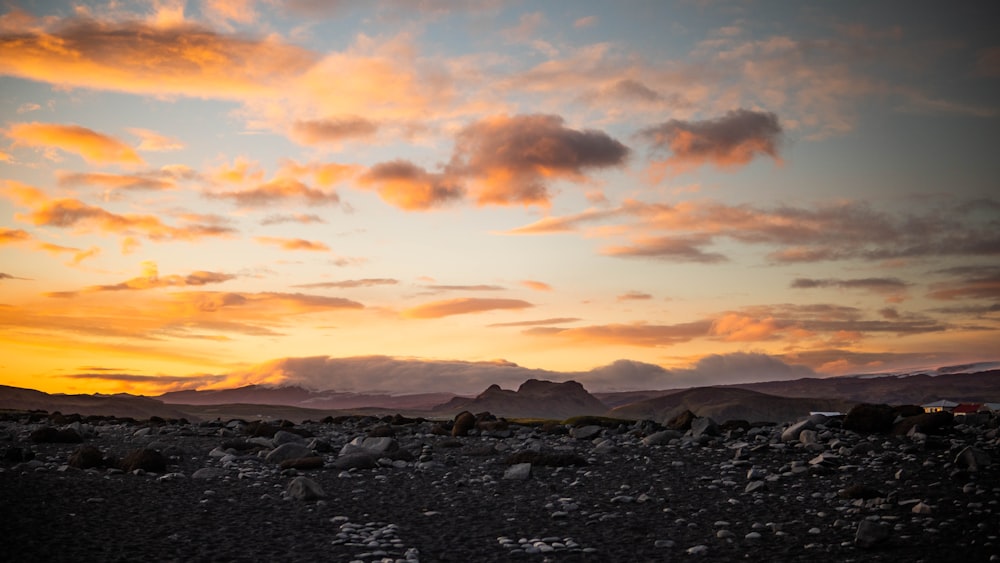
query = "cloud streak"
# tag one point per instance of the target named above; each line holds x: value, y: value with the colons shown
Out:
x: 94, y: 147
x: 463, y: 306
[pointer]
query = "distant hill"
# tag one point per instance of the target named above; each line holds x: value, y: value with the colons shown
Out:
x: 893, y: 389
x: 534, y: 398
x: 727, y: 403
x: 124, y: 405
x: 295, y: 396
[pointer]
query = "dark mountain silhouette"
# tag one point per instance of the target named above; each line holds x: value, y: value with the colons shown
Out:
x: 122, y: 404
x: 892, y: 389
x: 722, y: 403
x: 534, y: 398
x: 295, y: 396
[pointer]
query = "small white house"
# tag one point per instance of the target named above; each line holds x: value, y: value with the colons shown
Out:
x: 938, y: 406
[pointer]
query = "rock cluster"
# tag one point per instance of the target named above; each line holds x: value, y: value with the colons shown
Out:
x: 479, y: 488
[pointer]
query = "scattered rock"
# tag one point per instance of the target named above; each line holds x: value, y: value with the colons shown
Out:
x: 86, y: 457
x: 518, y: 472
x: 50, y: 435
x: 464, y: 422
x: 150, y: 461
x: 973, y: 459
x: 305, y: 489
x: 287, y: 451
x: 870, y: 419
x: 870, y: 534
x: 304, y: 463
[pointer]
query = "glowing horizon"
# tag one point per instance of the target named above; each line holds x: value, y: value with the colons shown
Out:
x: 219, y: 193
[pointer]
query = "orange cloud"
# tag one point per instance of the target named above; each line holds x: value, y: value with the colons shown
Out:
x: 506, y: 161
x: 281, y: 189
x: 294, y: 243
x: 73, y: 213
x: 514, y: 158
x: 536, y: 285
x: 92, y: 146
x: 10, y: 236
x: 241, y: 170
x: 157, y: 60
x: 410, y: 187
x: 726, y: 142
x: 154, y: 142
x: 462, y: 306
x: 324, y: 174
x: 116, y: 181
x: 634, y: 296
x: 633, y: 334
x: 320, y: 131
x: 150, y: 279
x: 733, y: 327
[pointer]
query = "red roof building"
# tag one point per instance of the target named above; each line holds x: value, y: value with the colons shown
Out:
x: 967, y: 408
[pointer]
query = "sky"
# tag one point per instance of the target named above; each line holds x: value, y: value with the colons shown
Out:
x: 437, y: 195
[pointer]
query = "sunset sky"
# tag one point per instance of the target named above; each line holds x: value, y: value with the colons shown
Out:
x: 426, y: 195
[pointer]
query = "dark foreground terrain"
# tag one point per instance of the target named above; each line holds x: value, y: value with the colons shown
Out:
x: 405, y: 490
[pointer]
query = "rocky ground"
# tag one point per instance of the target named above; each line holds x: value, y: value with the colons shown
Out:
x: 365, y: 489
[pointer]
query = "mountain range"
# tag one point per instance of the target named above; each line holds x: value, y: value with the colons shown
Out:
x: 771, y: 401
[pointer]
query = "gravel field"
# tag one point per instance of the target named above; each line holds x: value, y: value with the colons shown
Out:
x: 399, y: 489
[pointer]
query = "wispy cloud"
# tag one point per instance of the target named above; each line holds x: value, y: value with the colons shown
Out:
x: 463, y: 306
x: 75, y: 214
x: 94, y: 147
x: 278, y: 191
x: 348, y: 284
x: 294, y: 243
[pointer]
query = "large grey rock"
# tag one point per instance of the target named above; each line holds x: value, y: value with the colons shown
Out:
x: 704, y: 426
x: 380, y: 445
x: 288, y: 451
x: 518, y: 472
x: 587, y: 432
x: 208, y: 473
x: 870, y: 534
x: 304, y: 488
x: 791, y: 434
x: 661, y: 438
x: 973, y: 459
x: 283, y: 437
x: 356, y: 460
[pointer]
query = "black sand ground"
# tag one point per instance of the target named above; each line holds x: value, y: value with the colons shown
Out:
x: 635, y: 503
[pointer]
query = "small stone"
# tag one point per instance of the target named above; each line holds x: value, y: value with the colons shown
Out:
x: 303, y: 488
x: 697, y: 550
x: 518, y: 472
x: 921, y: 508
x: 870, y: 533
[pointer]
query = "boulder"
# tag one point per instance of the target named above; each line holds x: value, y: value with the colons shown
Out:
x: 357, y: 460
x: 791, y: 434
x: 304, y: 463
x: 50, y: 435
x: 283, y: 437
x: 661, y: 438
x: 305, y: 489
x: 870, y: 534
x: 870, y: 419
x: 464, y: 422
x: 518, y: 472
x: 925, y: 423
x: 208, y: 473
x: 290, y: 450
x: 704, y: 426
x: 86, y: 457
x: 972, y: 459
x: 586, y: 432
x: 145, y: 459
x: 682, y: 421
